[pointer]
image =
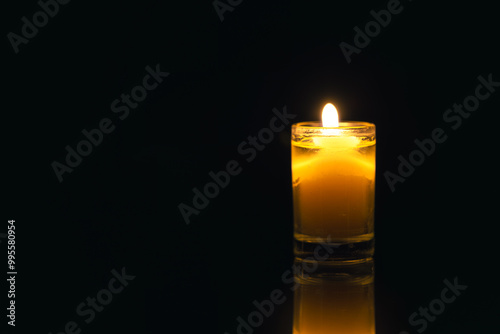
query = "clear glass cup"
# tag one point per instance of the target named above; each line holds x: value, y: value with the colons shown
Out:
x: 333, y: 180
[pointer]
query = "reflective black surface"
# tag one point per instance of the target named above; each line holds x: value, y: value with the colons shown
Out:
x: 340, y: 302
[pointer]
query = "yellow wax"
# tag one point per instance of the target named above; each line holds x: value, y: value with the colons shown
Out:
x: 334, y: 180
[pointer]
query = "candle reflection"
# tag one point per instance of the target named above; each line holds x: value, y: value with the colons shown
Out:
x: 340, y: 303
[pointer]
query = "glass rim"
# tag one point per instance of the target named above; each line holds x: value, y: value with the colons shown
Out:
x: 343, y: 125
x: 353, y: 127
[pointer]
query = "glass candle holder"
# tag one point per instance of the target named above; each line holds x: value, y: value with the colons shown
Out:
x: 333, y: 180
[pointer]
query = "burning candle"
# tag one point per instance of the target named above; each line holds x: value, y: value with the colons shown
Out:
x: 333, y: 178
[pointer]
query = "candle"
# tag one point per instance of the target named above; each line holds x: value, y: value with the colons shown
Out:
x: 333, y: 178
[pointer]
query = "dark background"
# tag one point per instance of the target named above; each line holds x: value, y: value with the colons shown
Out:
x: 119, y: 207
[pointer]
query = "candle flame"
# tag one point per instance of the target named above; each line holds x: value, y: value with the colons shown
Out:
x: 330, y: 116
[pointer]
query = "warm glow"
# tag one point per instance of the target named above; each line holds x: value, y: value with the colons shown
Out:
x: 330, y: 116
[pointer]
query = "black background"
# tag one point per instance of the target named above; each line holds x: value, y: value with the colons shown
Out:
x: 119, y: 207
